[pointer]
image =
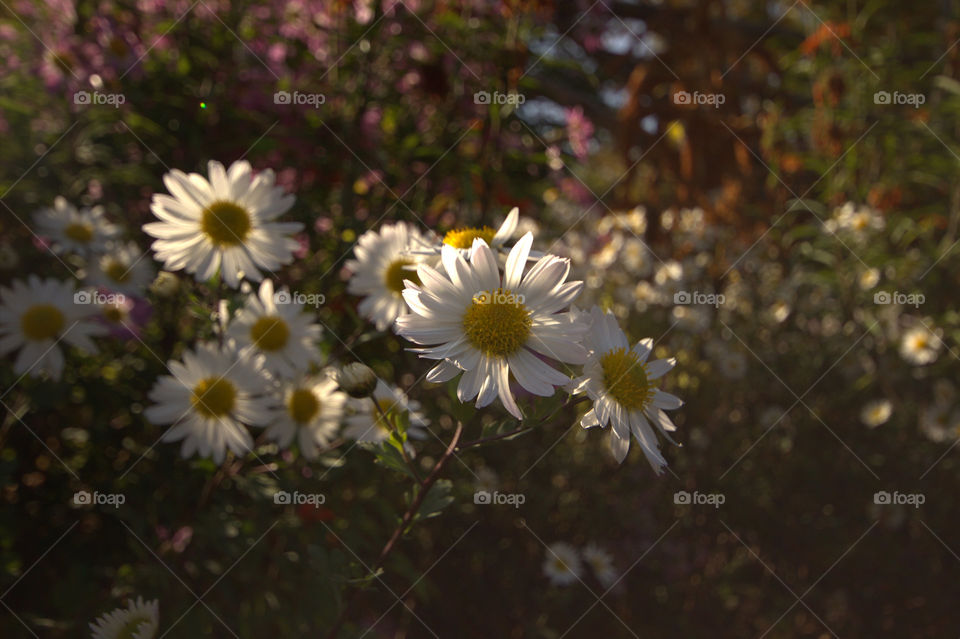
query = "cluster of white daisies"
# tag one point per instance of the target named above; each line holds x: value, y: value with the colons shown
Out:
x: 38, y: 315
x: 502, y: 317
x: 498, y: 316
x: 564, y: 564
x: 266, y: 369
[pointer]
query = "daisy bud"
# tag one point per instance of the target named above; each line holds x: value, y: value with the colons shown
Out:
x: 357, y: 380
x: 165, y: 285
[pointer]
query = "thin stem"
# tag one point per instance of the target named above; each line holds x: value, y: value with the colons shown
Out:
x: 405, y: 521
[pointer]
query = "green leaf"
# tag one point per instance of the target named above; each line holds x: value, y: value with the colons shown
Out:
x: 436, y: 500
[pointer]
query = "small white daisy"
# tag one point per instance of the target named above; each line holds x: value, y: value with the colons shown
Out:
x: 276, y: 327
x: 919, y: 346
x: 601, y: 563
x: 225, y: 223
x: 366, y: 423
x: 122, y: 268
x: 208, y: 399
x: 487, y: 326
x: 310, y: 410
x: 384, y: 261
x: 36, y: 315
x: 940, y: 422
x: 562, y: 564
x: 83, y: 231
x: 856, y: 219
x: 877, y: 412
x: 621, y: 384
x: 139, y: 620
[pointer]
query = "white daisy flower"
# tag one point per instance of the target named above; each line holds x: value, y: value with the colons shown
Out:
x: 919, y: 346
x: 858, y: 219
x: 276, y: 327
x: 208, y: 399
x: 383, y: 261
x: 36, y: 315
x: 562, y: 564
x: 488, y: 326
x: 226, y: 223
x: 83, y: 231
x: 940, y: 422
x: 311, y: 411
x: 139, y: 620
x: 621, y: 384
x: 877, y: 412
x: 462, y: 239
x: 601, y: 563
x: 366, y: 423
x: 122, y: 268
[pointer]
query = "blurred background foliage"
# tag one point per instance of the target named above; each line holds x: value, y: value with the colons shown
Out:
x: 734, y: 199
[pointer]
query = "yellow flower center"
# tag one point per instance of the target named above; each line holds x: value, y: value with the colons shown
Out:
x: 42, y: 322
x: 625, y: 379
x: 131, y: 626
x: 463, y: 238
x: 117, y: 271
x: 214, y: 396
x: 113, y: 314
x: 269, y: 333
x: 303, y: 405
x: 397, y: 272
x: 225, y: 223
x: 79, y: 232
x: 497, y: 323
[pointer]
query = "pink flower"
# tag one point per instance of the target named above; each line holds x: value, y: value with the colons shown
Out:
x: 579, y: 130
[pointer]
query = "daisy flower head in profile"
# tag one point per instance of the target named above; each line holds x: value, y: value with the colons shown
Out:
x: 226, y: 223
x: 37, y: 315
x: 139, y: 620
x: 920, y: 346
x: 463, y: 238
x: 122, y: 268
x: 383, y: 261
x: 309, y: 411
x: 487, y: 326
x: 366, y: 423
x: 275, y: 326
x: 562, y: 564
x: 208, y: 399
x: 622, y: 384
x: 84, y: 231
